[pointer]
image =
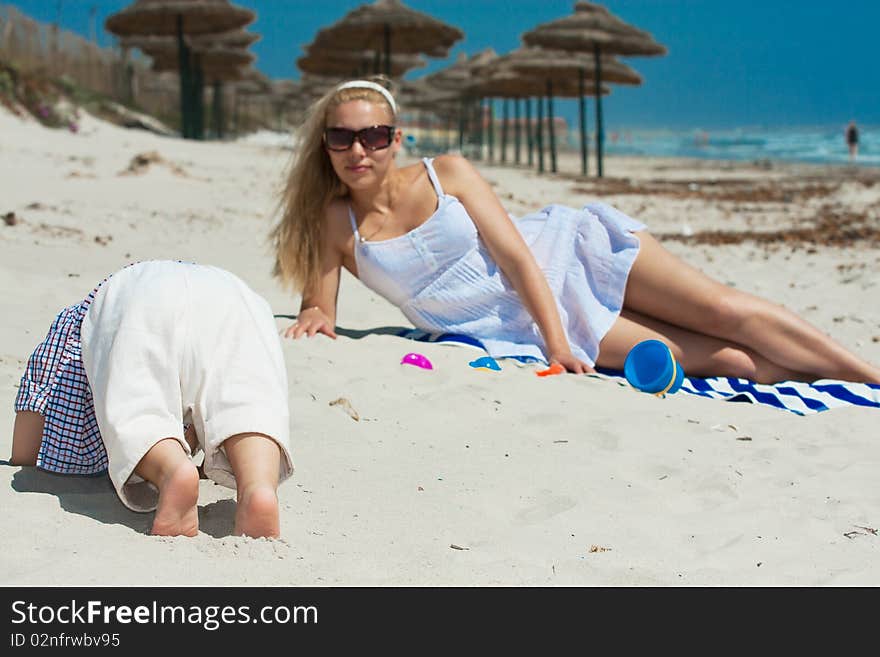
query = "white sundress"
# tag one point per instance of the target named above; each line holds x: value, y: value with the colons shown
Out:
x: 441, y: 276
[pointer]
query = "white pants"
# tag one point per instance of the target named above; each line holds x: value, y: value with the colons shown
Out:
x: 167, y: 341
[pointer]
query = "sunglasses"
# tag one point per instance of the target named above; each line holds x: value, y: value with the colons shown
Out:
x: 373, y: 138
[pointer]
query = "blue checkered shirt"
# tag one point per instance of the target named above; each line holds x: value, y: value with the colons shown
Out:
x: 55, y: 385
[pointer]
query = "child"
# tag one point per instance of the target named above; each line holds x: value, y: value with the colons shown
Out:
x: 155, y: 345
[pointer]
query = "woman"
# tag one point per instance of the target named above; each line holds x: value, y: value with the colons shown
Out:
x: 578, y: 288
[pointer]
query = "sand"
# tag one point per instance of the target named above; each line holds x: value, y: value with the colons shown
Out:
x: 456, y: 476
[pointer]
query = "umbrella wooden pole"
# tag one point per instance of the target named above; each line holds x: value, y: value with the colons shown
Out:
x: 504, y: 119
x: 470, y: 133
x: 551, y: 128
x: 198, y: 88
x: 217, y: 109
x: 583, y: 127
x: 235, y: 110
x: 447, y: 137
x: 183, y: 71
x: 491, y: 128
x: 462, y: 113
x: 387, y: 31
x: 128, y: 82
x: 600, y: 135
x: 194, y: 107
x: 540, y: 134
x: 516, y: 130
x: 472, y: 130
x: 479, y: 127
x: 530, y: 139
x: 127, y: 78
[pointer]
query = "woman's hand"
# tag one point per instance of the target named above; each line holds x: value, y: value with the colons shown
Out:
x: 571, y: 363
x: 309, y: 322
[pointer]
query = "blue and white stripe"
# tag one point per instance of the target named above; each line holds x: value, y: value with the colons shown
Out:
x: 793, y: 396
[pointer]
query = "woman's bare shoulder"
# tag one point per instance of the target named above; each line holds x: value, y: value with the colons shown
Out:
x: 337, y: 225
x: 412, y: 172
x: 456, y: 172
x: 452, y: 164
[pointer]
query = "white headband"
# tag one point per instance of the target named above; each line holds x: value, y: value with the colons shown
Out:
x: 366, y: 84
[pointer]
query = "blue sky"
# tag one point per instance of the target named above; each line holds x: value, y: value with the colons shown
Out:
x: 731, y: 63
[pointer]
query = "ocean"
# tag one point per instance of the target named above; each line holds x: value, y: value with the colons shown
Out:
x: 816, y: 145
x: 824, y: 145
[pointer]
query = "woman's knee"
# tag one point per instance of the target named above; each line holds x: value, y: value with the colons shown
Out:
x: 726, y: 311
x: 728, y: 361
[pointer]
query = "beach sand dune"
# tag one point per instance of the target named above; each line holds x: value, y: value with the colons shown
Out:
x: 456, y: 476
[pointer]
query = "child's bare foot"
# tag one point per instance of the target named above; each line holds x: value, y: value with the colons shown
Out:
x: 256, y: 514
x: 177, y: 513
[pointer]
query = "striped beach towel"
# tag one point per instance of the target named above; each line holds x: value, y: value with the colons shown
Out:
x: 794, y: 396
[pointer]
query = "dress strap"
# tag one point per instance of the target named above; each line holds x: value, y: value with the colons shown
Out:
x: 429, y: 167
x: 354, y: 225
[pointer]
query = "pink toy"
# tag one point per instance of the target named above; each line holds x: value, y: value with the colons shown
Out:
x: 418, y: 360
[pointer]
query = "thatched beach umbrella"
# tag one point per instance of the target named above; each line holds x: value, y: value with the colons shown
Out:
x: 215, y: 62
x: 288, y: 96
x: 460, y: 75
x: 254, y: 82
x: 212, y: 66
x: 252, y: 86
x: 593, y: 29
x: 420, y: 94
x: 159, y: 47
x: 459, y: 78
x: 231, y: 39
x: 314, y: 86
x: 558, y: 67
x: 506, y: 82
x: 178, y: 18
x: 347, y: 63
x: 160, y: 17
x: 432, y: 106
x: 387, y: 26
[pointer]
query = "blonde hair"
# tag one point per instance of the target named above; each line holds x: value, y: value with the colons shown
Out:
x: 311, y: 186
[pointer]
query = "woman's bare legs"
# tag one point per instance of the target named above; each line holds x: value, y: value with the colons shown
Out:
x: 663, y: 287
x: 168, y: 467
x: 255, y: 460
x: 699, y: 354
x: 27, y: 434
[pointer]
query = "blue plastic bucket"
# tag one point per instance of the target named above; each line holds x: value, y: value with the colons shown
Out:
x: 651, y: 367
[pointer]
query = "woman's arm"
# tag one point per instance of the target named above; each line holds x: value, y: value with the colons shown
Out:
x: 317, y: 312
x: 511, y: 254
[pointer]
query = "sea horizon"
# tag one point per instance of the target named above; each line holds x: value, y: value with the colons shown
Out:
x: 804, y: 144
x: 818, y: 144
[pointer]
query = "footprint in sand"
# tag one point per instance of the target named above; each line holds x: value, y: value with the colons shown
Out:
x: 544, y: 509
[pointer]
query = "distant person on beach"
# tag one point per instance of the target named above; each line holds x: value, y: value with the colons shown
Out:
x: 578, y: 287
x: 852, y: 140
x: 153, y: 346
